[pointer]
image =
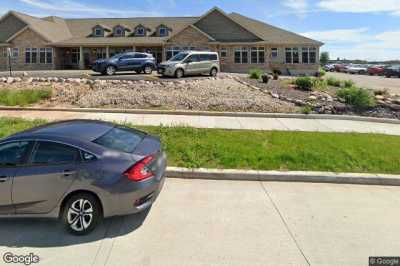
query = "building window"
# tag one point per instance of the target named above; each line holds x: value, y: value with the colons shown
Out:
x: 31, y: 55
x: 172, y: 51
x: 15, y: 53
x: 140, y: 31
x: 241, y: 55
x: 75, y: 56
x: 223, y: 52
x: 309, y: 55
x: 292, y: 55
x: 257, y: 55
x: 101, y: 53
x: 98, y: 32
x: 46, y: 55
x: 313, y: 55
x: 274, y: 52
x: 163, y: 32
x: 119, y: 32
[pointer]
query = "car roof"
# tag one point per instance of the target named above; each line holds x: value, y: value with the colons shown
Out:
x: 80, y: 130
x: 199, y: 52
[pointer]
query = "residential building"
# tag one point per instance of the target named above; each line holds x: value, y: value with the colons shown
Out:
x: 242, y: 42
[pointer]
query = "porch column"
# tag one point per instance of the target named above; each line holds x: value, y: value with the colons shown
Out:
x: 133, y: 48
x: 81, y: 59
x: 164, y: 53
x: 107, y: 51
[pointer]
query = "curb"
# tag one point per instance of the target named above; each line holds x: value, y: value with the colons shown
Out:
x: 206, y: 113
x: 284, y: 176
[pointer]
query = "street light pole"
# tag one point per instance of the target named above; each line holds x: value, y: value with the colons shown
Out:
x: 9, y: 60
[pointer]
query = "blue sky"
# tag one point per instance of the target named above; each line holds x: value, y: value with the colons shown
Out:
x: 354, y: 29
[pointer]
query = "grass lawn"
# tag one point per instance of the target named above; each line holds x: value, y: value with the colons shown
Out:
x: 267, y: 150
x: 23, y: 97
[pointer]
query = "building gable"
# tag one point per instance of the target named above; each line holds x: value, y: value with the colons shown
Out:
x: 222, y: 28
x: 188, y: 36
x: 10, y: 25
x: 28, y: 38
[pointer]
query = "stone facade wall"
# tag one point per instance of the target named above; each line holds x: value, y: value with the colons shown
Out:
x: 28, y: 39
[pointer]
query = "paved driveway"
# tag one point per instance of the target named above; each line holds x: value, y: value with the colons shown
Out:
x: 199, y: 222
x: 371, y: 82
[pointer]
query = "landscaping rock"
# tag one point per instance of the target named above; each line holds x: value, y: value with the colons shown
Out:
x: 24, y: 74
x: 312, y: 98
x: 10, y: 80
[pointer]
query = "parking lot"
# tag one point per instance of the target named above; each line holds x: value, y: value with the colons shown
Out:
x: 199, y: 222
x: 371, y: 82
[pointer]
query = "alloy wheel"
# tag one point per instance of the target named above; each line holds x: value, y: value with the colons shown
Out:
x: 110, y: 70
x: 148, y: 70
x: 80, y: 215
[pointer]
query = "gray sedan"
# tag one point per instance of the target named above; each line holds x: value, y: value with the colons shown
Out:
x: 79, y: 171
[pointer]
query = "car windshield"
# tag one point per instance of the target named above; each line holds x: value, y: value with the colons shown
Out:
x: 121, y: 139
x: 179, y: 57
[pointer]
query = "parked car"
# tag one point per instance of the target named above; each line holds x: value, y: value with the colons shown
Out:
x: 340, y: 67
x: 329, y: 68
x: 392, y: 71
x: 376, y: 70
x: 130, y: 61
x: 79, y: 171
x: 191, y: 63
x: 356, y: 69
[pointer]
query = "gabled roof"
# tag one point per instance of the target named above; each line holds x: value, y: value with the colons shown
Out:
x: 76, y: 31
x: 51, y: 31
x: 272, y: 34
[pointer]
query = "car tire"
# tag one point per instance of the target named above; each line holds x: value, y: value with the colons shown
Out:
x: 110, y: 70
x: 179, y: 73
x: 147, y: 69
x: 81, y: 214
x: 213, y: 72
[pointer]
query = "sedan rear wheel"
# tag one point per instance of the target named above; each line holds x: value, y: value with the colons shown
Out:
x: 110, y: 70
x: 81, y: 214
x: 213, y: 72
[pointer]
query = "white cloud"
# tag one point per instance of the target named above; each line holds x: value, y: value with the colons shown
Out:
x: 359, y: 43
x: 339, y: 35
x: 361, y: 6
x: 68, y: 8
x: 298, y: 7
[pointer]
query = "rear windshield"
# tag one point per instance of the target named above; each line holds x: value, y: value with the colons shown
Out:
x: 121, y: 139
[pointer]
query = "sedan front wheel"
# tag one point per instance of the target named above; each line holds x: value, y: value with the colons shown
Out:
x: 110, y: 70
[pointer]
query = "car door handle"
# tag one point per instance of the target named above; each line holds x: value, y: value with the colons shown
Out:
x: 3, y: 179
x: 69, y: 172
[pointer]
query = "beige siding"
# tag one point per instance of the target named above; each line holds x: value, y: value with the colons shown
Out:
x: 9, y: 26
x: 29, y: 39
x: 189, y: 37
x: 224, y: 29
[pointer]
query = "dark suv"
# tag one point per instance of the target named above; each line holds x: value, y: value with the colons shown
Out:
x: 392, y: 71
x: 131, y: 61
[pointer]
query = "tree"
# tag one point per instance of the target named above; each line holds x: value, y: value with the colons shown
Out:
x: 324, y: 59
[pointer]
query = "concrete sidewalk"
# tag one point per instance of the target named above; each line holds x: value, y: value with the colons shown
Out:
x: 225, y: 122
x: 235, y: 223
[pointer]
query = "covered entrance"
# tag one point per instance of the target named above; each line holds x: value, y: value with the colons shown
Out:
x: 156, y: 51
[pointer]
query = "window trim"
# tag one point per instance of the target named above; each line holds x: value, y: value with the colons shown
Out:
x: 166, y: 31
x: 30, y: 51
x: 174, y: 51
x: 241, y: 50
x: 98, y: 28
x: 258, y: 50
x: 140, y: 28
x: 36, y: 145
x: 122, y: 31
x: 223, y: 50
x: 274, y: 50
x: 292, y: 51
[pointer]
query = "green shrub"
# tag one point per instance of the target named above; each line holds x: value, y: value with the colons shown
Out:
x: 306, y: 110
x: 319, y: 84
x: 359, y: 98
x: 334, y: 82
x: 255, y: 73
x: 348, y: 83
x: 322, y: 72
x: 23, y: 97
x: 304, y: 83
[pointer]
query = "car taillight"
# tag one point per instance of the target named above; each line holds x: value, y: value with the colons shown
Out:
x: 140, y: 170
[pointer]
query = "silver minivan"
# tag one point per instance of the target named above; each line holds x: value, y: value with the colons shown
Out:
x: 190, y: 63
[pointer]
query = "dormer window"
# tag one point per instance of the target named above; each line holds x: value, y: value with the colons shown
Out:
x: 163, y: 31
x: 98, y: 32
x: 140, y: 31
x: 119, y: 31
